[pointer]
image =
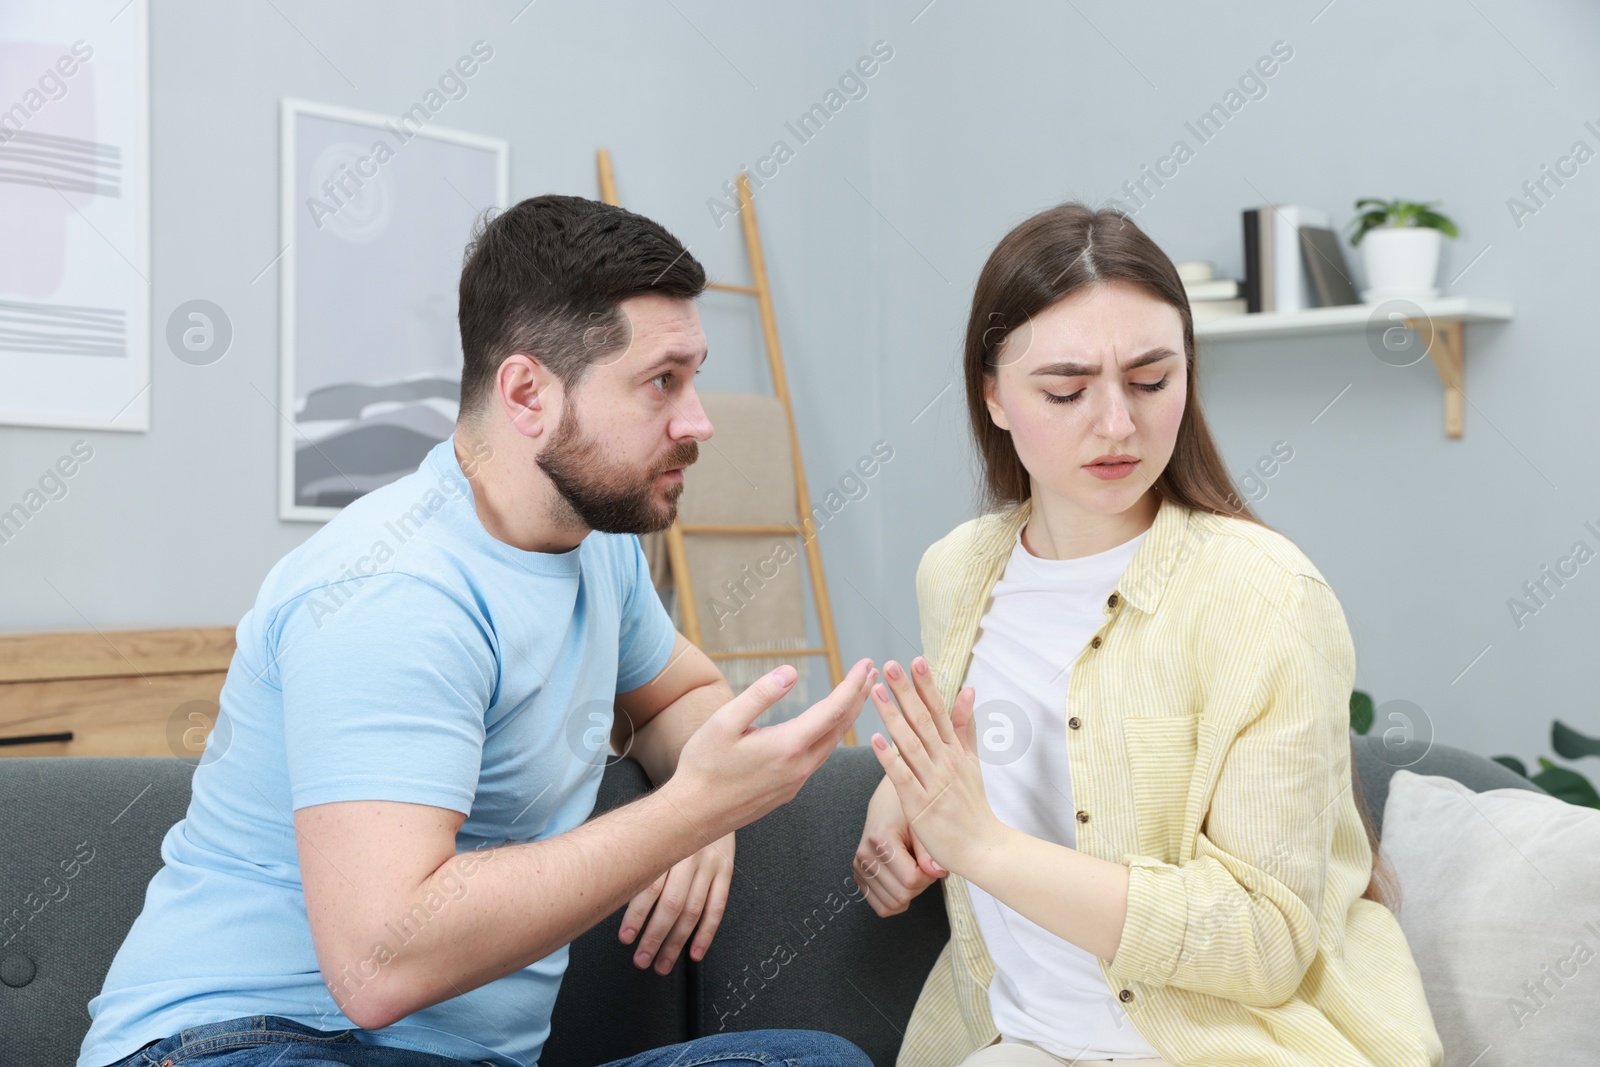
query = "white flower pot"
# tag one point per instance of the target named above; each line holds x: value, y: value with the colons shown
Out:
x: 1401, y: 261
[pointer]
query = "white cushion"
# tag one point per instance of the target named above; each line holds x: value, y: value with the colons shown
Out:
x: 1500, y: 903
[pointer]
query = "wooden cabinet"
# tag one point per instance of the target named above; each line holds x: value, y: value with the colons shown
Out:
x: 121, y: 693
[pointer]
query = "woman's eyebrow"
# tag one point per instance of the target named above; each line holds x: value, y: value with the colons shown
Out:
x: 1069, y: 369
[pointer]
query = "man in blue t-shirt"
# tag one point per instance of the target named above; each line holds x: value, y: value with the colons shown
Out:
x: 387, y: 853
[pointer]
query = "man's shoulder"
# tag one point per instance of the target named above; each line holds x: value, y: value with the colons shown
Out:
x: 391, y: 539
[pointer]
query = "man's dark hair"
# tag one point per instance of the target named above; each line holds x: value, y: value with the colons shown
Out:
x: 546, y: 277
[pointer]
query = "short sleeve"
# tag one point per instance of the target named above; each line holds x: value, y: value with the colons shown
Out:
x: 646, y: 634
x: 385, y: 686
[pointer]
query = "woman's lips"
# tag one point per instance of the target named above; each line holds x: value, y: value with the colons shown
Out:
x: 1111, y: 471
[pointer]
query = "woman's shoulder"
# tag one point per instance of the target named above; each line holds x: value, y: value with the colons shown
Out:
x: 1253, y: 592
x: 944, y: 574
x: 965, y: 541
x: 1229, y: 538
x: 1233, y: 549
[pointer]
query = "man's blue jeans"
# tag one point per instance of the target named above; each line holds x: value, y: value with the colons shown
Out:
x: 273, y: 1041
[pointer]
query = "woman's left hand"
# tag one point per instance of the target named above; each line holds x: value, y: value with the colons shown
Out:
x: 934, y: 765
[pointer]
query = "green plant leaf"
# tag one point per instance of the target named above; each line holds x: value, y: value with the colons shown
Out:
x: 1513, y: 763
x: 1360, y: 711
x: 1398, y: 213
x: 1369, y: 221
x: 1438, y: 222
x: 1570, y: 744
x: 1567, y: 784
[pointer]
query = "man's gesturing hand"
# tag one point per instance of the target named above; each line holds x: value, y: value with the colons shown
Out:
x: 694, y: 890
x: 731, y: 772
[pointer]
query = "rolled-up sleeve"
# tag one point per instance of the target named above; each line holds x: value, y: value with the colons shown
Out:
x: 1240, y: 919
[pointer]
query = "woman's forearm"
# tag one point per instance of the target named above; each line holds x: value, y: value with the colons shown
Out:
x: 1075, y: 896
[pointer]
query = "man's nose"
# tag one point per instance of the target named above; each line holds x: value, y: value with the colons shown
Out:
x: 690, y: 419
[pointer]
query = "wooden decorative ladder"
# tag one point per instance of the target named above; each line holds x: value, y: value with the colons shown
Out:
x: 677, y: 557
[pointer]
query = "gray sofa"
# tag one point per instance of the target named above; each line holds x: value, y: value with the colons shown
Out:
x: 843, y: 969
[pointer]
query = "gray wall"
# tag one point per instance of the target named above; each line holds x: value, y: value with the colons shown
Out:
x: 875, y: 231
x: 1000, y: 111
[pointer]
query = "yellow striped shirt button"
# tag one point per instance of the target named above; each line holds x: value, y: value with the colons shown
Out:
x: 1095, y: 643
x: 1074, y: 722
x: 1083, y: 816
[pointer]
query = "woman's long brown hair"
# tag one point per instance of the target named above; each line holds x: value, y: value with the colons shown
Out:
x: 1045, y: 259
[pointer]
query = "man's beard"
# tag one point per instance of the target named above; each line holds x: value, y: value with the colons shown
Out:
x: 607, y: 496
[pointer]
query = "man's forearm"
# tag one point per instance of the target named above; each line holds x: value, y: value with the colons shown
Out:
x: 658, y: 742
x: 495, y: 911
x: 505, y: 908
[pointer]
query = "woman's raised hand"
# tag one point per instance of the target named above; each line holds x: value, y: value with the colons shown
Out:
x: 934, y: 763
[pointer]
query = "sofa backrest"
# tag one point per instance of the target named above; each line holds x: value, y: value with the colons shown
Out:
x: 795, y: 939
x: 798, y: 947
x: 1376, y: 762
x: 59, y: 933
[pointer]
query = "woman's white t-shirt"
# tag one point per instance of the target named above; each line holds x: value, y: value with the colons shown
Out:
x: 1046, y: 990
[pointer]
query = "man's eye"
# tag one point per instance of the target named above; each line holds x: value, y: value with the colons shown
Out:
x: 665, y: 374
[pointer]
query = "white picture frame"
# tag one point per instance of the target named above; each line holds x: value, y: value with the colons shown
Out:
x: 75, y: 269
x: 370, y: 239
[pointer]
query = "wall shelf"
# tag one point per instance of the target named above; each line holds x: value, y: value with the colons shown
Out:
x: 1437, y: 321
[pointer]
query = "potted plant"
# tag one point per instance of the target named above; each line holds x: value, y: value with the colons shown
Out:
x: 1401, y: 249
x: 1558, y: 781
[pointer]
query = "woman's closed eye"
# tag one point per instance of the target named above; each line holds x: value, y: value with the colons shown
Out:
x: 1149, y: 387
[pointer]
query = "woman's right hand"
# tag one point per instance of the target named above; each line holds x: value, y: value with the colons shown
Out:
x: 891, y: 866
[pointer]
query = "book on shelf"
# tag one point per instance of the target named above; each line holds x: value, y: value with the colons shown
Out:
x: 1292, y: 260
x: 1208, y: 310
x: 1324, y: 260
x: 1216, y: 289
x: 1257, y: 274
x: 1291, y: 287
x: 1209, y: 297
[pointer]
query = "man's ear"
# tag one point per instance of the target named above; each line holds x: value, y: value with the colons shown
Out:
x: 527, y: 392
x: 996, y: 412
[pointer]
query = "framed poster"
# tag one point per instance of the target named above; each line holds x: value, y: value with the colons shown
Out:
x: 377, y: 211
x: 75, y: 215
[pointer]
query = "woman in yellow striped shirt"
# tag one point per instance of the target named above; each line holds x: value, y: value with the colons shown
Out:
x: 1126, y: 747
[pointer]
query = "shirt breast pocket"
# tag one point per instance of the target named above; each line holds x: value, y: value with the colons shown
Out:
x: 1161, y: 755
